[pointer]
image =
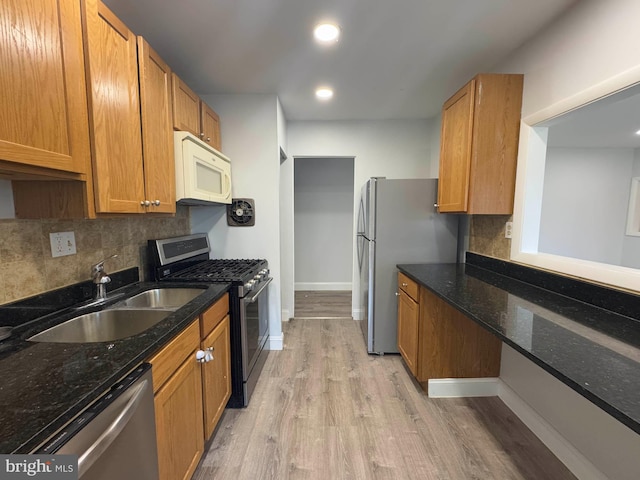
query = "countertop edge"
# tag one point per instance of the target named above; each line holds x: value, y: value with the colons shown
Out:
x: 605, y: 406
x: 190, y: 312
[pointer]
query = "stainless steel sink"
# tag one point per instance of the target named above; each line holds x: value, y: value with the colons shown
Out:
x: 103, y: 326
x: 168, y: 298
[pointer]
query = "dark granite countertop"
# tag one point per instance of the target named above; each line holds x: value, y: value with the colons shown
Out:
x: 44, y: 385
x: 594, y: 351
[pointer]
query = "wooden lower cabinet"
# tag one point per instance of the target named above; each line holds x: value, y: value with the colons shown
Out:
x: 190, y: 396
x: 179, y: 427
x: 408, y: 319
x: 451, y: 345
x: 216, y: 376
x: 438, y: 341
x: 177, y: 384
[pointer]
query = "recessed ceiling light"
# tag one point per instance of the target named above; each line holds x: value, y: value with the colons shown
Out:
x: 324, y: 93
x: 326, y: 33
x: 638, y: 132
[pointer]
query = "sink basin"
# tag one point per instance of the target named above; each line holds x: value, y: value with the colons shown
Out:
x: 168, y: 298
x: 103, y: 326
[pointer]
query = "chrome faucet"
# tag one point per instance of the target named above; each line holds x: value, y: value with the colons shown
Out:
x: 100, y: 278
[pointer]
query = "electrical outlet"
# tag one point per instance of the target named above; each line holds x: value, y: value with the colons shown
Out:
x: 508, y: 229
x: 62, y: 243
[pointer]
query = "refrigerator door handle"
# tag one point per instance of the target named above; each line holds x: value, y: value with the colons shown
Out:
x: 362, y: 227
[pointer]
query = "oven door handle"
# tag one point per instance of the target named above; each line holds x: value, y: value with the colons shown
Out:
x: 257, y: 294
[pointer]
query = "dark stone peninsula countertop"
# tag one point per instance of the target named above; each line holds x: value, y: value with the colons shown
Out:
x: 44, y: 385
x: 593, y: 350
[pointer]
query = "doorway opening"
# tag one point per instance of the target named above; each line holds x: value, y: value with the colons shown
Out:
x: 323, y: 236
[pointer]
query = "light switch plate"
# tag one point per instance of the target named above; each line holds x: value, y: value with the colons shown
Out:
x: 62, y: 243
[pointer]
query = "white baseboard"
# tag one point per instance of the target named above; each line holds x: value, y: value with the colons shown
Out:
x: 577, y: 463
x: 275, y: 342
x: 463, y: 387
x: 285, y: 316
x: 322, y: 286
x: 357, y: 313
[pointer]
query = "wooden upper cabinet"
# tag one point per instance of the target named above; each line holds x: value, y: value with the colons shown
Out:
x: 210, y: 126
x: 157, y: 130
x: 192, y: 115
x: 479, y: 146
x: 42, y: 86
x: 115, y: 111
x: 186, y: 107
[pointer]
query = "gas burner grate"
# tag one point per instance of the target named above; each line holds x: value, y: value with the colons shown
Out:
x: 219, y: 270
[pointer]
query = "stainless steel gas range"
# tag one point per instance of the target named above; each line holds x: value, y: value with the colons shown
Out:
x: 186, y: 259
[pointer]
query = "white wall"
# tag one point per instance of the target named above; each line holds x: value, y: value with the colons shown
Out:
x: 631, y: 244
x: 286, y: 222
x: 323, y: 219
x: 594, y: 41
x: 584, y: 202
x: 609, y: 445
x: 395, y: 149
x: 249, y: 138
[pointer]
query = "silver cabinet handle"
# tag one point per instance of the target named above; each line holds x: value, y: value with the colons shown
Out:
x: 201, y: 134
x: 204, y: 356
x: 405, y: 284
x: 156, y: 203
x: 397, y: 294
x: 208, y: 139
x: 145, y: 203
x: 437, y: 205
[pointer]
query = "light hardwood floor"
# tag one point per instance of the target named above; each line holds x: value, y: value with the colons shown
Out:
x: 323, y: 304
x: 324, y: 409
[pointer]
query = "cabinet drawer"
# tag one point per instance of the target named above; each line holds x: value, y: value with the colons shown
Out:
x: 167, y: 360
x: 214, y: 315
x: 408, y: 285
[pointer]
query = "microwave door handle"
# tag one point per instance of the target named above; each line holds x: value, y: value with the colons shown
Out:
x: 227, y: 181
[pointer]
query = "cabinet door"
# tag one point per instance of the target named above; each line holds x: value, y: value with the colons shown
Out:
x: 210, y: 126
x: 408, y: 314
x: 157, y: 130
x: 43, y: 99
x: 115, y: 111
x: 216, y: 376
x: 186, y: 107
x: 455, y: 150
x: 179, y: 430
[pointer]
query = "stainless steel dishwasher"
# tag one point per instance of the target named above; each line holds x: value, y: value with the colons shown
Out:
x: 115, y: 438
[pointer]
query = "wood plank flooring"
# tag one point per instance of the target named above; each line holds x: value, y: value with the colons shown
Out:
x: 323, y: 304
x: 324, y: 409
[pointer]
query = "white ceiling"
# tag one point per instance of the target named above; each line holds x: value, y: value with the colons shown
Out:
x: 396, y: 59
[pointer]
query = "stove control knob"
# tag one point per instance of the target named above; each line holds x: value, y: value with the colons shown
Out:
x: 249, y: 285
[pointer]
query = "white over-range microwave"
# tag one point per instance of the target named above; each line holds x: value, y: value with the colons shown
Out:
x: 203, y: 174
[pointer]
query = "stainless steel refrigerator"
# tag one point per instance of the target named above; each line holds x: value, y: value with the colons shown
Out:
x: 397, y: 223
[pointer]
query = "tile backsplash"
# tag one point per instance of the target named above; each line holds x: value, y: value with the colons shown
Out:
x: 27, y: 267
x: 486, y: 236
